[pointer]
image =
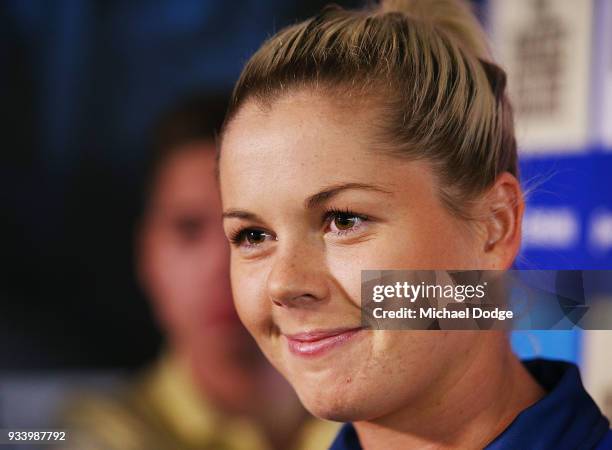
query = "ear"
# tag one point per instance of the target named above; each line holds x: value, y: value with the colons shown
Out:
x: 503, y: 216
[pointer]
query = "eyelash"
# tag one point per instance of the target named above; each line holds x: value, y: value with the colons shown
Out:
x: 333, y: 213
x: 238, y: 237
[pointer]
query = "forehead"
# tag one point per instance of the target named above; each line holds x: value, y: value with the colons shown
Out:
x: 299, y: 137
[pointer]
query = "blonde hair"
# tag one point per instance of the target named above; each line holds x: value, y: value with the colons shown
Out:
x: 425, y: 63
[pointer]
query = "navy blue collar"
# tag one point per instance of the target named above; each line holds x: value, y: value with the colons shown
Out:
x: 565, y: 419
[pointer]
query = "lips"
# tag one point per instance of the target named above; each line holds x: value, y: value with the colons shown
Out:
x: 318, y: 342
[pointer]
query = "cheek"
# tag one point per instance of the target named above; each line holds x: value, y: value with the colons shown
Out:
x: 425, y: 358
x: 435, y: 240
x: 160, y: 270
x: 175, y: 278
x: 182, y: 285
x: 345, y: 265
x: 430, y: 242
x: 248, y: 288
x: 393, y: 250
x: 433, y: 243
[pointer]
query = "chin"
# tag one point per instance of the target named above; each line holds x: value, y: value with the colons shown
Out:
x: 337, y: 403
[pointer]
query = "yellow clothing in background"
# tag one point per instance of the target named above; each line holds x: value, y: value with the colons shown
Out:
x: 162, y: 411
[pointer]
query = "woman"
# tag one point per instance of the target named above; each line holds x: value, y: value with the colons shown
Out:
x: 383, y: 139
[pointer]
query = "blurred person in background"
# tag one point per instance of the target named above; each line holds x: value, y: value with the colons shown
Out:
x: 211, y: 388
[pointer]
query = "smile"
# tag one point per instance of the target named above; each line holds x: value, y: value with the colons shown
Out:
x: 316, y: 343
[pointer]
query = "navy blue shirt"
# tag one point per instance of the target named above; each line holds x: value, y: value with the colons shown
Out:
x: 566, y: 418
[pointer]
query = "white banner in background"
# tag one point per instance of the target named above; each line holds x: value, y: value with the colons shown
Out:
x: 603, y: 75
x: 545, y: 47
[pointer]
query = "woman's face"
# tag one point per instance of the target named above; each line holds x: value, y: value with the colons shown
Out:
x: 308, y: 203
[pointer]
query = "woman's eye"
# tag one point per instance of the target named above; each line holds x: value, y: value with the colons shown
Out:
x: 345, y: 222
x: 250, y: 237
x: 255, y: 237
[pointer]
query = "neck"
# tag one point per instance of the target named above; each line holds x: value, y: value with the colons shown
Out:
x: 468, y: 408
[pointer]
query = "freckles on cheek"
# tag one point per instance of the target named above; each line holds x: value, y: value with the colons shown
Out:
x: 250, y: 300
x: 345, y: 270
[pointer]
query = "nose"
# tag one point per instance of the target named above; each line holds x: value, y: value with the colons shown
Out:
x: 298, y: 276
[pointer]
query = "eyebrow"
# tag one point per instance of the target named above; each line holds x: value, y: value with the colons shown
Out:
x: 311, y: 202
x: 240, y: 214
x: 329, y: 192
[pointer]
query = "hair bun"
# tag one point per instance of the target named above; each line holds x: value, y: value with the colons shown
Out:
x: 454, y: 17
